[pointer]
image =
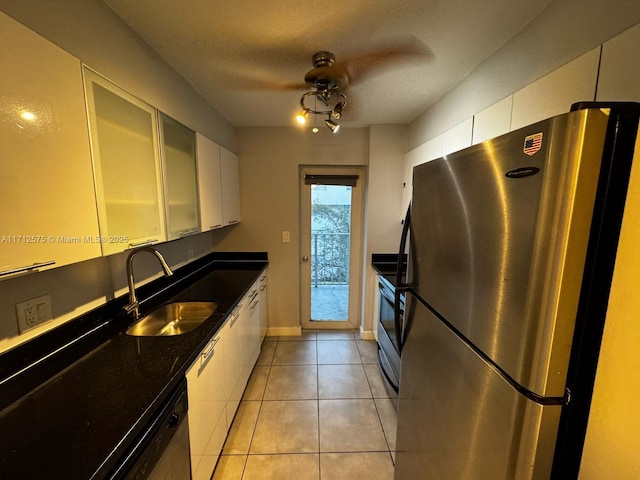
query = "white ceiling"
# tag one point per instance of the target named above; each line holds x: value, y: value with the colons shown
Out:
x: 242, y: 54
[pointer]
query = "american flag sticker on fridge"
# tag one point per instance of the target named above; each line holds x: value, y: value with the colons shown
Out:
x: 532, y: 143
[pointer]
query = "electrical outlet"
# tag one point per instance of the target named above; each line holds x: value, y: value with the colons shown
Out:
x: 33, y: 312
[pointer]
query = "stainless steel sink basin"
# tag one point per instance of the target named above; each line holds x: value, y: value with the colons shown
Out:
x: 172, y: 319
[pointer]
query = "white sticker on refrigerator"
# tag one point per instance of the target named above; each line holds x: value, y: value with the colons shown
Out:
x: 532, y: 143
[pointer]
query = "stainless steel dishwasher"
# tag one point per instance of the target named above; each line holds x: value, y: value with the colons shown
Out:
x: 161, y: 452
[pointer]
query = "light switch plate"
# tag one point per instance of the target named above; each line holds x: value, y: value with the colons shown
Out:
x: 286, y: 237
x: 33, y: 312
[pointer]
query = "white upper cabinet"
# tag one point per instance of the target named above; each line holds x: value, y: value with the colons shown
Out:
x: 620, y: 68
x: 458, y: 137
x: 46, y: 184
x: 230, y: 172
x: 554, y: 93
x: 493, y: 121
x: 209, y: 183
x: 124, y: 140
x: 411, y: 159
x: 180, y: 180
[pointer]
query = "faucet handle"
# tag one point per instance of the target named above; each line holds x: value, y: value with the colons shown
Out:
x: 132, y: 308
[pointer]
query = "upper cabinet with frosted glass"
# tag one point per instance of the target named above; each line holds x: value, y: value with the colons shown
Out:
x: 47, y: 203
x: 181, y: 185
x: 128, y: 180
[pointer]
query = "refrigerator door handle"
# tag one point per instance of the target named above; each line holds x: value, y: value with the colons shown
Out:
x: 401, y: 286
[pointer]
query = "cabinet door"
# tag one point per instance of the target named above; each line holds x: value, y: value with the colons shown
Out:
x: 230, y: 172
x: 554, y: 93
x: 411, y: 159
x: 206, y: 391
x: 263, y: 315
x: 46, y: 183
x: 181, y: 188
x: 253, y: 337
x: 124, y: 140
x: 244, y: 321
x: 233, y: 365
x: 209, y: 183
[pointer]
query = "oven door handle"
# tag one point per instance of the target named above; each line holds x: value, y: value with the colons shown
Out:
x: 401, y: 287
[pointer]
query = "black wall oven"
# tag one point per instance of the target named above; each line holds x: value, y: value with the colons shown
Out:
x: 388, y: 348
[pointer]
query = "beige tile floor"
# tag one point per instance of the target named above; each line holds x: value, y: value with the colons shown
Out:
x: 315, y: 408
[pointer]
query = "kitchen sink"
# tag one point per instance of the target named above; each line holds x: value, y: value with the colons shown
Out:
x: 172, y: 319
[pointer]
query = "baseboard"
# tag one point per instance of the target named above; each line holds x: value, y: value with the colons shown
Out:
x: 294, y: 331
x: 367, y: 334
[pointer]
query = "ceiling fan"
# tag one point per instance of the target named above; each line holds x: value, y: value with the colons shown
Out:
x: 329, y: 80
x: 326, y: 79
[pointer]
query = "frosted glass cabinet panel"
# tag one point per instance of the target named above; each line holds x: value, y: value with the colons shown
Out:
x: 181, y: 185
x: 47, y: 204
x: 126, y: 166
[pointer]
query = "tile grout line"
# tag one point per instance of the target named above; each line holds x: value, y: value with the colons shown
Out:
x: 361, y: 356
x: 255, y: 426
x: 318, y: 407
x: 375, y: 405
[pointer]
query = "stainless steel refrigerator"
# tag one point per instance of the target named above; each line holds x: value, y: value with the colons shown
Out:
x: 511, y: 245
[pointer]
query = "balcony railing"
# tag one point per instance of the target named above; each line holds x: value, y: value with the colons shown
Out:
x: 330, y: 258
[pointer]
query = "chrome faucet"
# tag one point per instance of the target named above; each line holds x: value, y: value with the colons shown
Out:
x: 132, y: 307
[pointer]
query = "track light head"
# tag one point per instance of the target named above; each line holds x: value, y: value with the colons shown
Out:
x: 302, y: 116
x: 337, y: 111
x: 333, y: 126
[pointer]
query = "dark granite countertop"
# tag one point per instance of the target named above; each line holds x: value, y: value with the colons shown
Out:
x: 386, y: 265
x: 78, y: 423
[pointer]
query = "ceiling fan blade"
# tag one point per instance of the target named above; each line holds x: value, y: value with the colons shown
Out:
x: 245, y: 82
x: 391, y: 54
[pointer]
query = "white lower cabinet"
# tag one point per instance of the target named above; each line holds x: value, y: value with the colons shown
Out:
x: 207, y: 402
x: 217, y: 379
x: 262, y: 307
x: 251, y: 330
x: 243, y: 345
x: 233, y: 365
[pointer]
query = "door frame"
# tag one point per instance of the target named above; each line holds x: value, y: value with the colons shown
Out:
x: 356, y: 246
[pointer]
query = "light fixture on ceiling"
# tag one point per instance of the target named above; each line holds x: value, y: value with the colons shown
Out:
x: 331, y: 97
x: 337, y: 111
x: 301, y: 118
x: 333, y: 126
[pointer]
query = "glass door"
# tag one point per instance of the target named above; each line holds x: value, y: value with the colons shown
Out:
x: 331, y: 207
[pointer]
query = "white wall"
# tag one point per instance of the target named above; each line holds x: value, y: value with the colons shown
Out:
x: 93, y: 33
x: 269, y: 187
x: 384, y: 195
x: 564, y: 31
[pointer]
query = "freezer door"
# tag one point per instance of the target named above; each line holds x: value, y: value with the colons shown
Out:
x: 458, y: 418
x: 499, y: 237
